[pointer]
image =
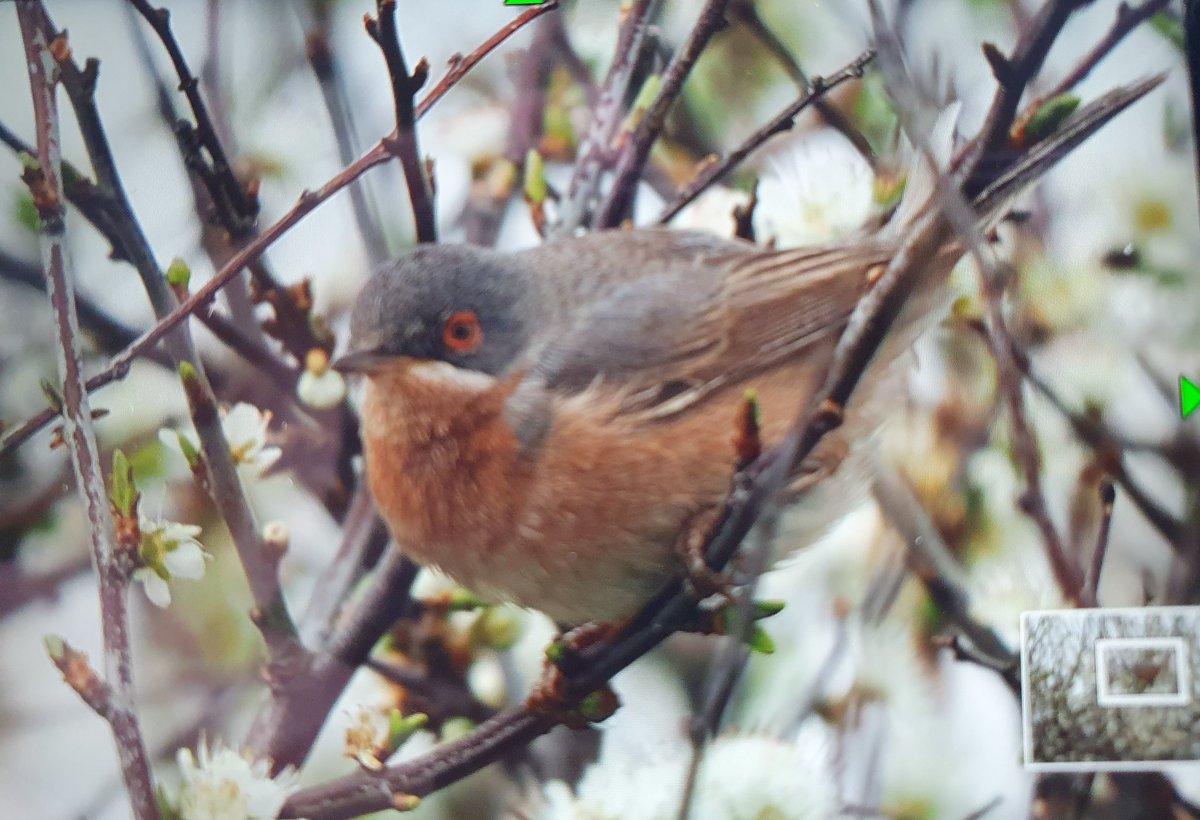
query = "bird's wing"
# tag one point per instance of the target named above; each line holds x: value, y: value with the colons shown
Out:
x: 660, y: 343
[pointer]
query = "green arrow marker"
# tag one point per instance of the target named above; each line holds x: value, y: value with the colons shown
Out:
x: 1189, y: 397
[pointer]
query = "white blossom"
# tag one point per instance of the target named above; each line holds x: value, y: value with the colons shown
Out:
x: 712, y: 211
x: 225, y: 785
x: 245, y: 429
x: 154, y: 586
x: 167, y: 550
x: 741, y: 778
x: 319, y: 386
x: 816, y: 187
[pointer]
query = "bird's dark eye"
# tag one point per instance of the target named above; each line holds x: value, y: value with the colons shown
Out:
x: 462, y: 332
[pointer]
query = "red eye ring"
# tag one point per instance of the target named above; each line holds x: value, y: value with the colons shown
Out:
x: 462, y: 332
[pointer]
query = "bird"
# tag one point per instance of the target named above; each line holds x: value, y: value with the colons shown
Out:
x: 545, y: 426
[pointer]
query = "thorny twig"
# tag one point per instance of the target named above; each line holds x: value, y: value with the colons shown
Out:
x: 631, y: 161
x: 115, y: 702
x: 715, y: 170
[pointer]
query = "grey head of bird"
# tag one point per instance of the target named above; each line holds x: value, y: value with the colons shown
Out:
x: 470, y: 307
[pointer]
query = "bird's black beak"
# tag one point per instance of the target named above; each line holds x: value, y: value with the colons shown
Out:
x: 360, y: 361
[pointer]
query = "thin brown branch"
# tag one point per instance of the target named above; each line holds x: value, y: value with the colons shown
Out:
x: 403, y: 142
x: 1099, y: 438
x: 1107, y: 498
x: 746, y: 14
x: 462, y: 66
x: 303, y: 695
x: 929, y: 559
x: 631, y: 162
x: 324, y: 64
x: 361, y: 794
x: 221, y: 226
x: 237, y: 209
x: 113, y: 567
x: 440, y: 698
x: 713, y: 172
x: 1128, y: 18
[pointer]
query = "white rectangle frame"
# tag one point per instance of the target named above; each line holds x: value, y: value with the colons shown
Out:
x: 1104, y: 697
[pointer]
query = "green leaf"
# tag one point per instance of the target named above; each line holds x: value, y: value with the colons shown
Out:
x: 178, y: 273
x: 187, y: 372
x: 759, y: 641
x: 1171, y: 30
x: 463, y: 600
x: 27, y: 213
x: 56, y: 647
x: 1050, y: 116
x: 189, y: 452
x: 535, y: 177
x: 124, y: 490
x: 401, y: 727
x: 765, y: 609
x: 643, y: 101
x: 53, y: 397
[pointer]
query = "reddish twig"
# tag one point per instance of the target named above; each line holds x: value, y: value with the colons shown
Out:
x: 1128, y: 18
x: 461, y: 66
x: 633, y: 157
x: 715, y: 171
x: 115, y: 702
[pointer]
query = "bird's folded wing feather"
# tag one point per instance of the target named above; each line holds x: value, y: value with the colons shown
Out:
x: 661, y: 343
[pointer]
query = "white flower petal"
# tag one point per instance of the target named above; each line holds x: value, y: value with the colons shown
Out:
x: 155, y: 587
x: 226, y: 784
x: 817, y: 187
x: 186, y: 561
x: 712, y: 212
x: 321, y: 391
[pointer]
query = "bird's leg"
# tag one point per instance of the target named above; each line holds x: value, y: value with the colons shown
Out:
x: 702, y: 580
x: 551, y: 694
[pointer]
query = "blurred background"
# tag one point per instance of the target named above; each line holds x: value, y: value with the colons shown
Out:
x: 863, y: 708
